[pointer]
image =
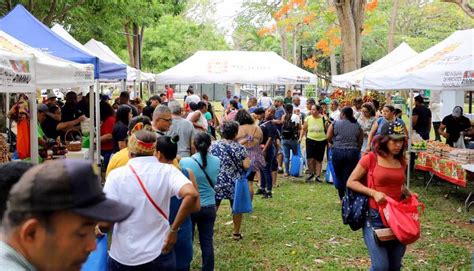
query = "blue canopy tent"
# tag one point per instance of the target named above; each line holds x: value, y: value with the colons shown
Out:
x: 23, y: 26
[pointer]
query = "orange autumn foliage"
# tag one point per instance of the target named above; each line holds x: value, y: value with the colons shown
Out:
x: 310, y: 63
x: 323, y: 45
x: 372, y: 5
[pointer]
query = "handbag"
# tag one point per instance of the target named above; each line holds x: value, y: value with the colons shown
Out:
x: 242, y: 201
x: 330, y: 173
x: 354, y: 205
x: 203, y: 170
x: 97, y: 260
x: 403, y: 218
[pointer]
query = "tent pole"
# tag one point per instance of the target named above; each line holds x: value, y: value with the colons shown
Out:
x: 470, y: 102
x: 97, y: 122
x: 7, y: 109
x: 92, y: 91
x: 213, y: 92
x: 410, y: 110
x: 33, y: 128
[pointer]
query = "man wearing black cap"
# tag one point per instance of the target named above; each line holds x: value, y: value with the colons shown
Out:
x: 51, y: 215
x: 421, y: 119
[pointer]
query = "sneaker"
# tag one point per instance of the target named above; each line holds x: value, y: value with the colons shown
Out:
x: 318, y: 179
x: 260, y: 191
x: 280, y: 170
x: 310, y: 177
x: 269, y: 195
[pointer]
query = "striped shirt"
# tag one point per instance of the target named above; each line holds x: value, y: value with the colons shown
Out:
x: 346, y: 134
x: 11, y: 260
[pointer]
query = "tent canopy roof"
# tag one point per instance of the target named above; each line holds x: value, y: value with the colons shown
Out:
x: 104, y: 52
x: 448, y: 65
x: 235, y: 67
x: 354, y: 78
x: 20, y: 24
x: 50, y: 71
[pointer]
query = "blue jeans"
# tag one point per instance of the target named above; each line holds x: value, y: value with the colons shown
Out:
x: 204, y: 219
x: 387, y: 256
x: 163, y: 262
x: 344, y: 162
x: 266, y: 171
x: 289, y: 145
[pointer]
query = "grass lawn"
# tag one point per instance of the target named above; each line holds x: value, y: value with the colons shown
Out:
x: 301, y: 229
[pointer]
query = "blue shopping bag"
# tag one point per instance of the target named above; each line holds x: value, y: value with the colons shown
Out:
x: 97, y: 260
x: 242, y: 202
x: 296, y: 164
x: 330, y: 173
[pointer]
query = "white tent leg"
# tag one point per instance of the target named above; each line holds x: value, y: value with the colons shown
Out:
x: 33, y: 128
x: 7, y: 109
x: 410, y: 111
x: 91, y: 121
x: 97, y: 121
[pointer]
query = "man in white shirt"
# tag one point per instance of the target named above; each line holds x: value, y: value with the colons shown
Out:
x: 144, y: 240
x: 335, y: 113
x: 265, y: 101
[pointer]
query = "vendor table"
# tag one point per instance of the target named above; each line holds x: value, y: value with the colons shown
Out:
x: 445, y: 169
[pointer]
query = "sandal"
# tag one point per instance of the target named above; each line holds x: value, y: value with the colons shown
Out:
x: 237, y: 236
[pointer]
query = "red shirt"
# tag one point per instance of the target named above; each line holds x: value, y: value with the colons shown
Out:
x: 169, y: 93
x: 106, y: 128
x: 386, y: 180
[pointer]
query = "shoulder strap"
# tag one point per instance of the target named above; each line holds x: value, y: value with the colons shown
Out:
x: 372, y: 165
x: 324, y: 125
x: 203, y: 170
x: 148, y: 194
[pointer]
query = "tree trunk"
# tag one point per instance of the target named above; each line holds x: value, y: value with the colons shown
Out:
x: 284, y: 43
x: 136, y: 31
x: 351, y: 14
x: 129, y: 46
x: 392, y: 25
x: 332, y: 58
x: 294, y: 49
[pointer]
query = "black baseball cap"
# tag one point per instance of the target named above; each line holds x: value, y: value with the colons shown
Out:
x: 393, y: 129
x: 66, y: 184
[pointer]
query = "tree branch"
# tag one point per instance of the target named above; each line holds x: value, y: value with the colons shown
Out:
x: 52, y: 7
x: 464, y: 5
x: 67, y: 9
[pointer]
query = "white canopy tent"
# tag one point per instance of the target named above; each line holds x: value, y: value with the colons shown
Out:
x: 446, y: 66
x: 238, y: 67
x: 354, y: 78
x: 18, y: 75
x: 47, y: 71
x: 103, y: 51
x: 51, y: 71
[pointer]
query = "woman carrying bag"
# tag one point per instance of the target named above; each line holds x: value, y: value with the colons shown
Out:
x: 205, y: 167
x: 387, y: 180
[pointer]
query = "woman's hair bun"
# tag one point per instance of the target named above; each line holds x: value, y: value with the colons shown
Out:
x: 174, y: 139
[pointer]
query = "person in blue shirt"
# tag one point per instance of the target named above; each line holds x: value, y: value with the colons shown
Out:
x: 226, y: 100
x: 388, y: 113
x: 205, y: 167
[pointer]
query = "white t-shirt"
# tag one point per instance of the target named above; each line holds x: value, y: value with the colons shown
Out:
x: 265, y: 102
x: 140, y: 238
x: 296, y: 119
x: 336, y: 115
x: 202, y: 120
x: 302, y: 105
x: 193, y: 99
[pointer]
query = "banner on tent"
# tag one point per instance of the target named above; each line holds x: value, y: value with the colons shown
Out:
x: 14, y: 72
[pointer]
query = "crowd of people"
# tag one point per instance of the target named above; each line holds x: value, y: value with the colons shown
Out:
x: 174, y: 163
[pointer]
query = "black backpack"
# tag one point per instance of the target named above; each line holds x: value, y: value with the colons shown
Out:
x: 289, y: 130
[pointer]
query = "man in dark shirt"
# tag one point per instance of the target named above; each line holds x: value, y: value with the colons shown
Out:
x: 83, y: 105
x: 421, y: 119
x: 270, y: 134
x: 71, y: 115
x: 452, y: 125
x: 124, y: 98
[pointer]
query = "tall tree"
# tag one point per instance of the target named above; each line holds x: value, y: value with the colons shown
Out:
x: 351, y: 15
x: 392, y: 25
